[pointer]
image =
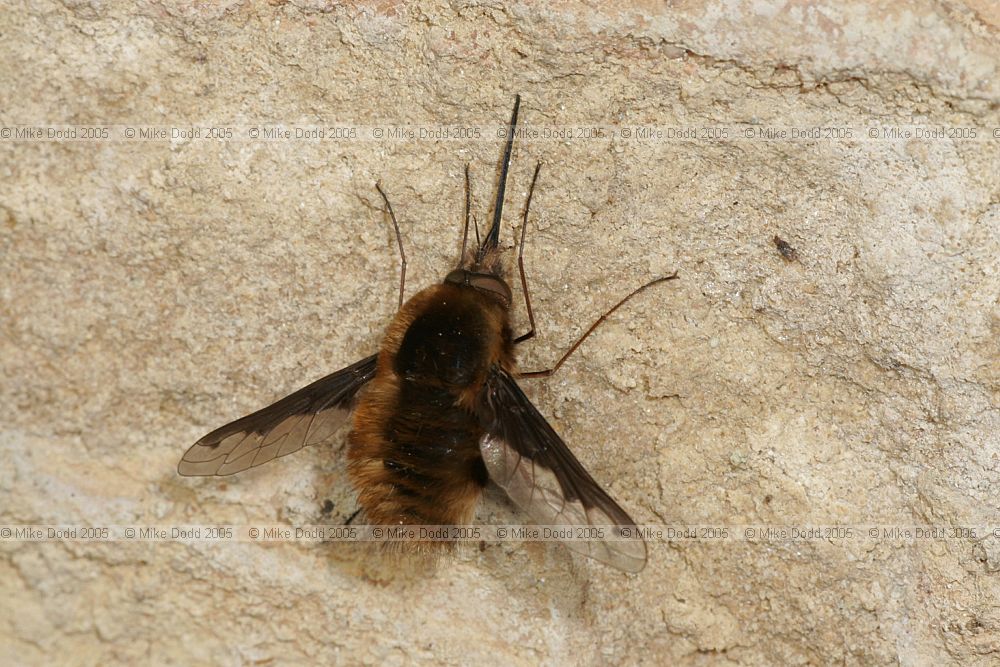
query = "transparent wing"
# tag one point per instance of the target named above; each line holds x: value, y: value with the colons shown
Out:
x: 529, y: 461
x: 306, y: 417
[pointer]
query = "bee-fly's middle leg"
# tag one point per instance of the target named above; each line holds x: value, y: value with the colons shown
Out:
x: 579, y: 341
x: 527, y: 298
x: 399, y: 242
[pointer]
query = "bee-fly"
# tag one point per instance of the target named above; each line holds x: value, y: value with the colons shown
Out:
x: 438, y: 412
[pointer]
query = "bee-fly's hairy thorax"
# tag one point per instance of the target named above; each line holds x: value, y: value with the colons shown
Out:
x: 414, y: 451
x: 437, y: 412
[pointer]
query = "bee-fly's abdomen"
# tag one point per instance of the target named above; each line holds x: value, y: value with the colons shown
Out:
x: 414, y: 450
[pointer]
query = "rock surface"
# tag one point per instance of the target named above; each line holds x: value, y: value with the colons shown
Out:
x: 152, y: 290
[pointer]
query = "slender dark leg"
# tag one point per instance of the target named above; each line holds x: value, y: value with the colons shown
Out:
x: 520, y: 262
x: 399, y: 241
x: 352, y: 517
x: 549, y: 371
x: 465, y: 231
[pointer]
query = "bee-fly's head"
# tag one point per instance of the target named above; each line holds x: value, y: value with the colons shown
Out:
x: 482, y: 269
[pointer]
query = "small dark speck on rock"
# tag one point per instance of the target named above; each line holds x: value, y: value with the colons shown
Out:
x: 786, y: 249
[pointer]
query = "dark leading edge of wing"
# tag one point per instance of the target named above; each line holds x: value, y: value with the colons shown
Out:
x: 527, y: 459
x: 307, y: 417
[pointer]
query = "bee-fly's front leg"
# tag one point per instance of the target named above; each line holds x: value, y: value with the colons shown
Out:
x: 520, y: 262
x: 399, y: 241
x: 465, y: 230
x: 549, y: 371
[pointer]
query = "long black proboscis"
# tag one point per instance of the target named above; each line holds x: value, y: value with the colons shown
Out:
x: 493, y: 237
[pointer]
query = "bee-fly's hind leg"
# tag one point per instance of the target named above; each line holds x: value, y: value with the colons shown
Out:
x: 549, y: 371
x: 399, y: 242
x: 520, y: 262
x: 352, y: 517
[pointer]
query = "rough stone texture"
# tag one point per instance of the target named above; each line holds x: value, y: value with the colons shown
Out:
x: 151, y: 291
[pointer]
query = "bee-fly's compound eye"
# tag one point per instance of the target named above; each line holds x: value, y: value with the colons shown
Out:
x: 492, y: 285
x: 483, y: 282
